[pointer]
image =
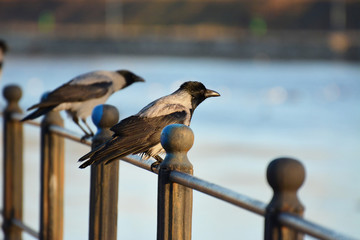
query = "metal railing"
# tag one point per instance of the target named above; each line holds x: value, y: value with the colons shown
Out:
x: 283, y: 215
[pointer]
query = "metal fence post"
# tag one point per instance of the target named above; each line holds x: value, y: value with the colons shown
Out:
x: 52, y: 179
x: 285, y: 176
x: 174, y: 200
x: 13, y: 164
x: 104, y: 180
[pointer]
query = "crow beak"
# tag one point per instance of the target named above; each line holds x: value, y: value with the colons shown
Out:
x: 211, y: 93
x: 139, y: 79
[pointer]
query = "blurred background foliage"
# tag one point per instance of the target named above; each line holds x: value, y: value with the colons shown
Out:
x: 246, y: 29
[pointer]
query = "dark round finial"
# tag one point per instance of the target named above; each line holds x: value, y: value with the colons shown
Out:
x: 12, y: 93
x: 177, y: 138
x: 105, y: 116
x: 285, y: 174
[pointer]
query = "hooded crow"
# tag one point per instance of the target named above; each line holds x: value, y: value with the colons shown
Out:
x: 140, y: 133
x: 80, y: 95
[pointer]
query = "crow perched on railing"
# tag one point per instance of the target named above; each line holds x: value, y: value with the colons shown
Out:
x: 81, y: 94
x: 141, y: 132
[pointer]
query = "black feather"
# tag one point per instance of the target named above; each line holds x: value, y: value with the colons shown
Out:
x: 73, y: 93
x: 38, y: 112
x: 132, y: 135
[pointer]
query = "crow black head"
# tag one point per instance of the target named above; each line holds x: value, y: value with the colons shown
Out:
x: 130, y: 77
x: 3, y: 46
x: 198, y: 92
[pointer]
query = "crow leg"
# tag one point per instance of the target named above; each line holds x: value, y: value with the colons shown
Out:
x: 158, y: 158
x: 156, y: 165
x: 88, y: 127
x: 87, y: 135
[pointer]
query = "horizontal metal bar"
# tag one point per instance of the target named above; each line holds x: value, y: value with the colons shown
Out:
x: 310, y: 228
x: 19, y: 116
x: 68, y: 134
x: 25, y: 228
x: 55, y: 129
x: 255, y: 206
x: 219, y: 192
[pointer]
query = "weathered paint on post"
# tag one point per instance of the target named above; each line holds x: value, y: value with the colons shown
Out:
x: 104, y: 180
x: 174, y: 200
x: 285, y: 176
x: 52, y: 179
x: 13, y: 164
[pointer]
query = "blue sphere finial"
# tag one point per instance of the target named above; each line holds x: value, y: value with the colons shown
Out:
x: 97, y: 114
x: 105, y: 116
x: 44, y: 96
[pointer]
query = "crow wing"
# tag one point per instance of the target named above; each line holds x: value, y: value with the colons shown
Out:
x: 132, y: 135
x: 38, y: 112
x: 74, y: 93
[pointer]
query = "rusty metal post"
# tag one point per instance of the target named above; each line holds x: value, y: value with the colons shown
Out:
x: 13, y: 164
x: 52, y: 179
x: 104, y: 180
x: 174, y: 200
x: 285, y: 176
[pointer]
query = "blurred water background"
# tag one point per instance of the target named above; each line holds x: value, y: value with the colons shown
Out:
x: 304, y: 109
